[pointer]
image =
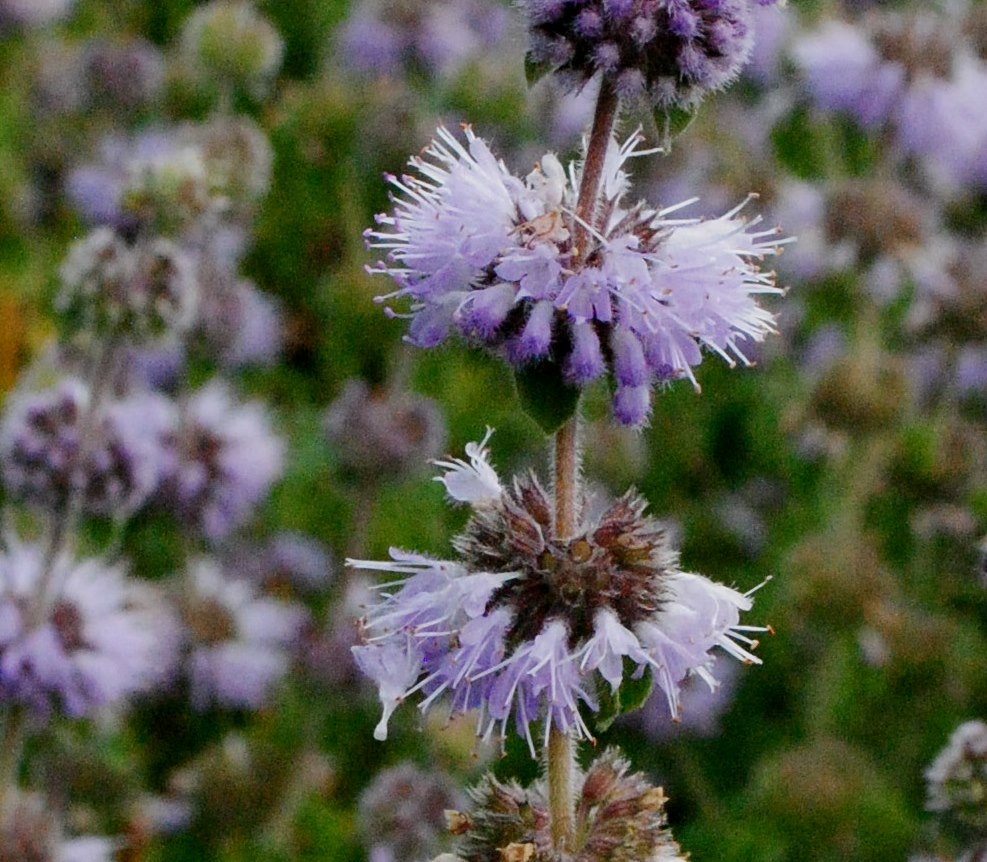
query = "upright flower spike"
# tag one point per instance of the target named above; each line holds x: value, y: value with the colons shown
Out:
x: 526, y: 626
x: 482, y: 252
x: 669, y: 53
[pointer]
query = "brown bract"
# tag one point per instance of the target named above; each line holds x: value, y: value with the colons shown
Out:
x: 618, y: 561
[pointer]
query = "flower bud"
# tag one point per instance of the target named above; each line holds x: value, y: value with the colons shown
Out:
x: 228, y: 43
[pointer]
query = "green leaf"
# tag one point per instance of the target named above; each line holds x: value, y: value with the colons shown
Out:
x: 535, y: 70
x: 545, y: 395
x: 630, y: 696
x: 673, y: 121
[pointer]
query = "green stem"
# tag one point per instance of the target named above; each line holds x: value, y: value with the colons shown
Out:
x: 11, y: 745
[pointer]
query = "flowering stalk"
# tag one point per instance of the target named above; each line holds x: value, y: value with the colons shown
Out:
x: 561, y: 747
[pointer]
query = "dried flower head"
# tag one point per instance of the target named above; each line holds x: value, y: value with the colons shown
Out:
x: 228, y: 43
x: 111, y: 289
x: 620, y: 816
x: 956, y: 781
x: 481, y: 251
x: 31, y: 832
x: 401, y: 815
x: 670, y: 53
x: 526, y: 626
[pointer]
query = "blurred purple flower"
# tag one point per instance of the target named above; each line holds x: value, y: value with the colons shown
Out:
x: 226, y: 457
x: 41, y: 442
x: 33, y: 13
x: 240, y: 642
x: 380, y: 435
x: 383, y: 37
x: 77, y: 636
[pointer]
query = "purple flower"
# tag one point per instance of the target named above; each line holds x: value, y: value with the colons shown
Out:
x: 53, y: 446
x: 526, y: 626
x: 226, y: 457
x: 381, y: 37
x: 125, y: 75
x: 478, y: 250
x: 240, y: 641
x: 33, y: 13
x: 845, y: 73
x: 288, y: 560
x: 669, y: 53
x: 77, y: 636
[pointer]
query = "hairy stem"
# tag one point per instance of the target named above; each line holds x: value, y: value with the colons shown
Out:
x: 596, y: 153
x: 561, y: 754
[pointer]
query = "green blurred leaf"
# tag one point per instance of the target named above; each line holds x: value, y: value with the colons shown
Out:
x: 534, y: 70
x: 630, y: 696
x: 546, y: 396
x: 673, y: 121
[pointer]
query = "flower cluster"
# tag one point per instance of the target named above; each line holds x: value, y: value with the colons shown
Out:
x: 238, y: 640
x: 527, y: 626
x: 479, y: 250
x: 918, y: 73
x: 226, y: 459
x: 957, y: 778
x: 620, y: 816
x: 31, y: 829
x: 112, y: 289
x: 55, y: 443
x: 77, y: 636
x: 381, y: 37
x: 227, y: 42
x: 670, y: 53
x: 383, y: 434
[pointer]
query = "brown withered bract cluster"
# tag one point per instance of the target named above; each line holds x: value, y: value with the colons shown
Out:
x: 618, y: 561
x: 620, y: 816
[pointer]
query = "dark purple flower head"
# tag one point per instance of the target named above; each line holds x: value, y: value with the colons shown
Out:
x: 226, y: 457
x: 525, y: 626
x: 486, y: 253
x: 381, y: 435
x: 52, y: 448
x: 668, y: 52
x: 77, y: 636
